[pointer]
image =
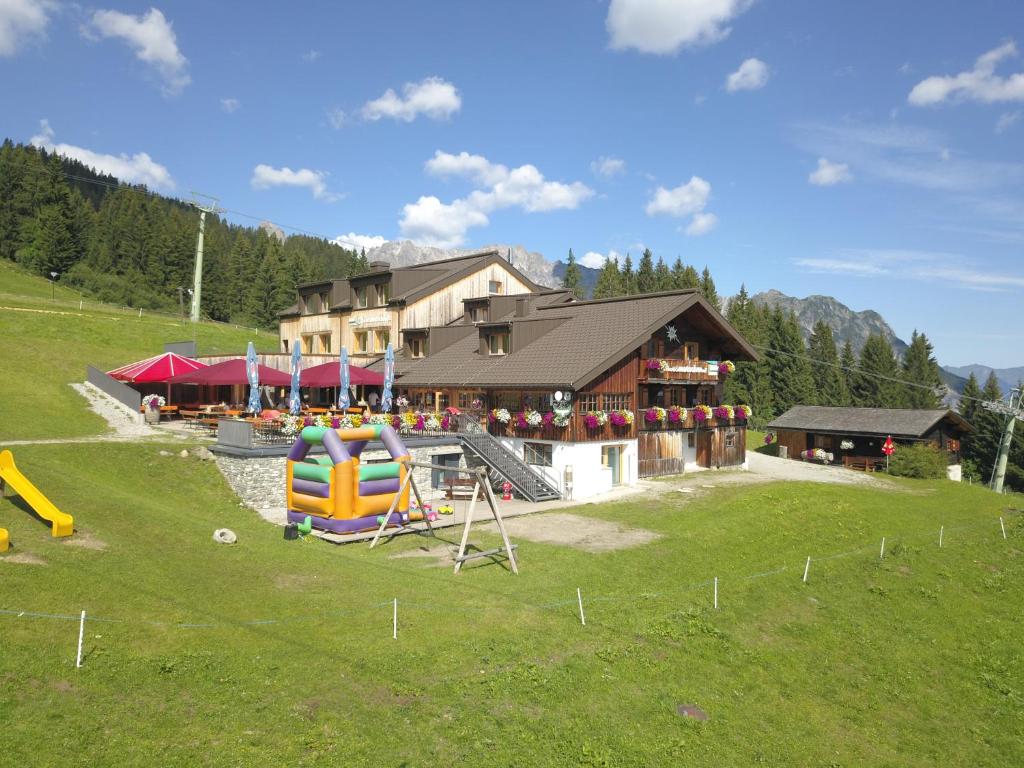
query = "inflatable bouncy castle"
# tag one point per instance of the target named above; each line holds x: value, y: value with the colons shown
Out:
x: 336, y: 490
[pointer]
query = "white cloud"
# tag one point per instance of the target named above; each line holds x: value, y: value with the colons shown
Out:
x: 355, y: 242
x: 683, y: 200
x: 311, y: 55
x: 978, y: 84
x: 752, y: 74
x: 152, y: 38
x: 701, y: 224
x: 22, y: 21
x: 1006, y: 120
x: 907, y: 155
x: 266, y: 176
x: 921, y: 266
x: 431, y: 222
x: 140, y: 168
x: 433, y: 97
x: 608, y: 167
x: 687, y: 199
x: 666, y: 26
x: 596, y: 260
x: 337, y: 118
x: 230, y: 105
x: 828, y: 174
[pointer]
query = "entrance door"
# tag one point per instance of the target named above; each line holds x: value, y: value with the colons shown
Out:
x: 611, y: 456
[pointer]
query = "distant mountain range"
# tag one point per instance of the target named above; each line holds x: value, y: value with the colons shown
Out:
x: 1008, y: 377
x: 846, y: 324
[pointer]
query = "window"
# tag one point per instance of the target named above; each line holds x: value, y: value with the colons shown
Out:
x: 383, y: 294
x: 438, y: 477
x: 691, y: 440
x: 538, y: 454
x: 690, y: 350
x: 325, y: 343
x: 676, y: 396
x: 360, y: 341
x: 511, y: 400
x: 587, y: 402
x: 730, y: 439
x: 361, y: 297
x: 618, y: 402
x: 497, y: 343
x: 284, y: 343
x: 307, y: 344
x: 466, y: 399
x: 418, y: 347
x: 380, y: 339
x: 325, y: 302
x: 477, y: 314
x: 494, y: 286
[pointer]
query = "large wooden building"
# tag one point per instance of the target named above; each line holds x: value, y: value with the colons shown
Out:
x: 592, y: 394
x: 366, y: 312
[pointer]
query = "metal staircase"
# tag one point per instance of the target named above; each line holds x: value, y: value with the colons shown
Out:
x: 482, y: 449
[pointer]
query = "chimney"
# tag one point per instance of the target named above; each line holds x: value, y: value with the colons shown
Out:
x: 521, y: 307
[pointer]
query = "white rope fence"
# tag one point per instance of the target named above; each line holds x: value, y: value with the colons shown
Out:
x: 557, y: 605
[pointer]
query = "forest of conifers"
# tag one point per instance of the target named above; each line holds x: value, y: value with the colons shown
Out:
x: 125, y: 245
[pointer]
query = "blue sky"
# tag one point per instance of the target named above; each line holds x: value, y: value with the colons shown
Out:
x: 870, y: 151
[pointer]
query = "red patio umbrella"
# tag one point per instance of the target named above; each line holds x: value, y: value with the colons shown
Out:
x: 329, y: 375
x: 232, y: 372
x: 156, y: 369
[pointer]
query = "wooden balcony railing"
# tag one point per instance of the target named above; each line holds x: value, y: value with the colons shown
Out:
x: 679, y: 370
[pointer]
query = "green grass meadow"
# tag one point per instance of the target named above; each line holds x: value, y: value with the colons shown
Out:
x: 274, y: 652
x: 910, y: 660
x: 46, y: 344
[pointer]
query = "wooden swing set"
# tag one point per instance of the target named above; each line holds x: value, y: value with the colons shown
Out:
x: 480, y: 487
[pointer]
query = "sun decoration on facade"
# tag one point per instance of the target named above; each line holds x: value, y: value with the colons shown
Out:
x: 670, y: 331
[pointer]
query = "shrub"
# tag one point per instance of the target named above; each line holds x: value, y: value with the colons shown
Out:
x: 919, y: 460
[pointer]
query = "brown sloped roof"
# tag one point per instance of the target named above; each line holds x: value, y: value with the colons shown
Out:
x: 898, y: 422
x: 584, y: 340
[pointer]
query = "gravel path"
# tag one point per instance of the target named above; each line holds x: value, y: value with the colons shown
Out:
x: 766, y: 469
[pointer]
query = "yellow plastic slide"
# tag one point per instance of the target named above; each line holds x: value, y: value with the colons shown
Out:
x: 62, y: 524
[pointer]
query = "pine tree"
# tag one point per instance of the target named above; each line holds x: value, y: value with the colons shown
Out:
x: 877, y: 384
x: 921, y: 368
x: 969, y: 398
x: 609, y: 281
x: 829, y: 382
x: 646, y: 282
x: 678, y: 272
x: 690, y: 278
x: 628, y: 278
x: 663, y: 277
x: 848, y: 366
x: 571, y: 278
x: 708, y: 291
x: 982, y: 445
x: 751, y: 383
x: 789, y: 369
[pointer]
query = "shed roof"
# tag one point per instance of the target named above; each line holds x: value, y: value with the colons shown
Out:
x: 898, y: 422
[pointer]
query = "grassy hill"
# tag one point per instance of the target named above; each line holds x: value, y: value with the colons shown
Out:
x: 274, y: 652
x: 46, y: 343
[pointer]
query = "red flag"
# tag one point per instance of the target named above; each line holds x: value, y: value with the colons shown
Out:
x: 888, y: 448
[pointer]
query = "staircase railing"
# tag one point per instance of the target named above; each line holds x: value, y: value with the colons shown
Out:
x: 526, y: 480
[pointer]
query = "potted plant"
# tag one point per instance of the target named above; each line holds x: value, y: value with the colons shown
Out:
x: 151, y: 408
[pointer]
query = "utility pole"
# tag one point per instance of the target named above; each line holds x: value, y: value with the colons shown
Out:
x: 1012, y: 412
x: 197, y: 283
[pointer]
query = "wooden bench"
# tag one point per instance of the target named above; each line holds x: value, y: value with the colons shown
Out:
x: 862, y: 463
x: 462, y: 488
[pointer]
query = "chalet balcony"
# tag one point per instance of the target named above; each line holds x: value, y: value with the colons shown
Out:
x: 656, y: 369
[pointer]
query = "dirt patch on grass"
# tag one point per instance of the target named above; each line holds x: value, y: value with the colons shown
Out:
x: 85, y: 541
x: 443, y: 556
x: 22, y: 558
x: 585, y: 533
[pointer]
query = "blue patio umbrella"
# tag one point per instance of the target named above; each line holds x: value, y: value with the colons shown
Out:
x: 389, y: 379
x: 344, y: 379
x: 295, y: 396
x: 253, y: 372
